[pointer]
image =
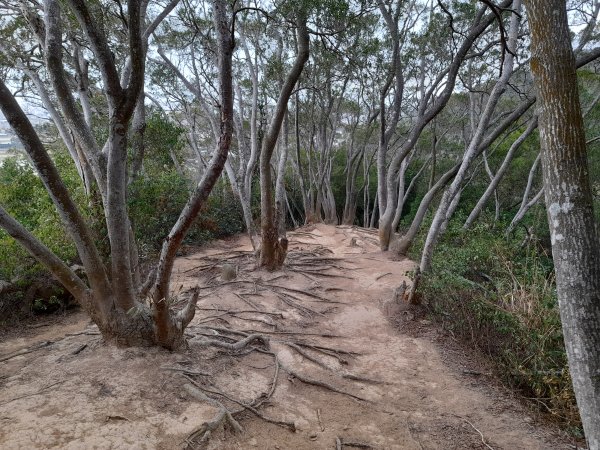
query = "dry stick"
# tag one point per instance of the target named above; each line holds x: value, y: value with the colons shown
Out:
x: 322, y: 384
x: 383, y: 275
x: 319, y: 419
x: 475, y: 428
x: 186, y: 371
x: 41, y: 391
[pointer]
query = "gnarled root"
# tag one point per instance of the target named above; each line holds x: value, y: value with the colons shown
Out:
x: 223, y: 417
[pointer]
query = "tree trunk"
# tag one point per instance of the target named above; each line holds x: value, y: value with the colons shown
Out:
x: 569, y: 203
x: 526, y: 204
x: 499, y: 174
x: 402, y: 245
x: 449, y: 199
x: 273, y: 250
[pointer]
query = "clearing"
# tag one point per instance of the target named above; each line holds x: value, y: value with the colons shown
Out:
x: 62, y: 387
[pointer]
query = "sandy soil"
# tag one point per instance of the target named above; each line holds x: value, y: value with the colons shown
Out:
x: 62, y: 387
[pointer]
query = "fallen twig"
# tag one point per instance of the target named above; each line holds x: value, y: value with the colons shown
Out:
x: 383, y: 275
x: 475, y: 428
x: 41, y: 391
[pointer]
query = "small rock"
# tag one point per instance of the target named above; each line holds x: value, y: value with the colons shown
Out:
x: 228, y: 272
x: 313, y: 436
x: 253, y: 442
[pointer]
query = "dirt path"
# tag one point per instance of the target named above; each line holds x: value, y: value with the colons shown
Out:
x: 71, y: 391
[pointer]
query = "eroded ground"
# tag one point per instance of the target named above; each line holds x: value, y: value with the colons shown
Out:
x: 62, y: 387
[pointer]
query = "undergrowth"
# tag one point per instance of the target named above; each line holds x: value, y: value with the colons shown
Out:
x: 498, y: 293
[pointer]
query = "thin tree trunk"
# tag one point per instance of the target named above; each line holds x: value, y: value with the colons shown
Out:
x: 402, y: 245
x: 499, y: 174
x: 425, y: 114
x: 403, y: 196
x: 449, y: 198
x: 166, y: 323
x: 273, y: 250
x: 525, y: 203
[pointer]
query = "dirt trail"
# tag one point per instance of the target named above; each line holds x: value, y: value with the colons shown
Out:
x: 71, y: 391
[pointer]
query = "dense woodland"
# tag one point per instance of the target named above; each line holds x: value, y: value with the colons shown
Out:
x: 448, y: 126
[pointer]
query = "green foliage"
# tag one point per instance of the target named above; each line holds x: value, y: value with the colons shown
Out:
x: 499, y: 295
x: 162, y: 139
x: 24, y: 197
x: 156, y: 202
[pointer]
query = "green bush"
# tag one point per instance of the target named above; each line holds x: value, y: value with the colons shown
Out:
x: 499, y: 294
x: 24, y: 197
x: 156, y: 202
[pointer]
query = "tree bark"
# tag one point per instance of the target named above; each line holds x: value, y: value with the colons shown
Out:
x: 569, y: 204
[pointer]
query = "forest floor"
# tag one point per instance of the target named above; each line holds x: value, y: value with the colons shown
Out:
x: 401, y: 382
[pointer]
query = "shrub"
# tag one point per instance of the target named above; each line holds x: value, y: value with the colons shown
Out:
x: 500, y: 296
x: 156, y: 202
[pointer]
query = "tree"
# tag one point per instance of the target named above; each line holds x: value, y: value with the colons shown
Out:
x: 273, y: 250
x: 125, y: 310
x: 569, y: 204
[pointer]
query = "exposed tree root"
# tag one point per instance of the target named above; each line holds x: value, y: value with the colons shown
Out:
x: 223, y: 417
x: 318, y: 262
x: 236, y: 346
x: 306, y: 380
x: 288, y: 425
x: 322, y: 274
x: 321, y: 364
x: 237, y: 311
x: 340, y: 444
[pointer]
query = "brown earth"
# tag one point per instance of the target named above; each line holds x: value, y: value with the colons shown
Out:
x: 61, y: 387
